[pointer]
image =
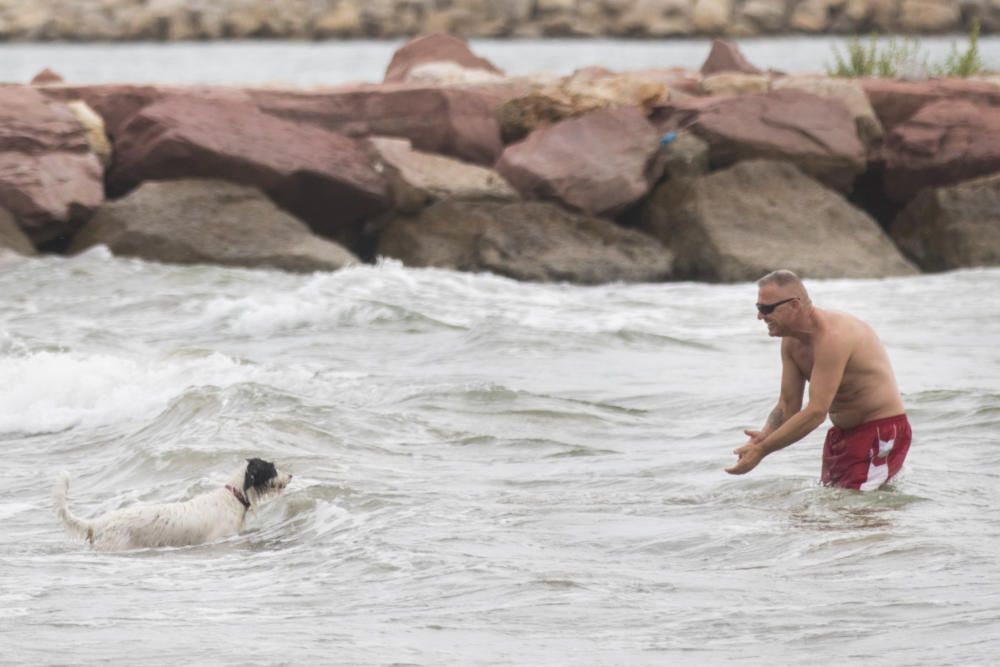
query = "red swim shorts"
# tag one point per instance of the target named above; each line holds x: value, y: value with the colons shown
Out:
x: 867, y: 456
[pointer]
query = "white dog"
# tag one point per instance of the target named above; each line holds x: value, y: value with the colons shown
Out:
x: 211, y: 516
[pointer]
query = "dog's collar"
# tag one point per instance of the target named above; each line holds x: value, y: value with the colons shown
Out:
x: 239, y: 496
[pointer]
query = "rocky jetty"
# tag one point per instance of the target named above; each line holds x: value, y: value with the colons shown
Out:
x: 111, y: 20
x: 719, y: 174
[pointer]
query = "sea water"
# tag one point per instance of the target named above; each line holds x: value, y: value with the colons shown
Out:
x: 338, y: 62
x: 487, y: 472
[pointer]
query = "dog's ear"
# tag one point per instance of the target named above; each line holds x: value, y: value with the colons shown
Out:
x: 259, y: 473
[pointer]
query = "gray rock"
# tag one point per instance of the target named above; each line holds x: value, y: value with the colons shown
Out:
x: 740, y: 223
x: 11, y: 236
x: 685, y: 156
x: 417, y: 178
x: 531, y: 241
x: 952, y: 227
x: 208, y: 222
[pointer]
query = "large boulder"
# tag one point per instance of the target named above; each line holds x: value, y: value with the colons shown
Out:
x: 49, y: 179
x: 11, y: 237
x: 814, y: 133
x: 599, y: 163
x: 117, y: 104
x: 946, y: 142
x: 725, y: 56
x: 417, y: 178
x: 896, y: 102
x: 47, y: 77
x: 739, y: 223
x: 324, y: 178
x: 952, y: 227
x: 434, y: 48
x: 452, y: 121
x: 455, y: 121
x: 585, y: 91
x: 847, y: 91
x: 735, y: 83
x: 524, y: 240
x: 208, y: 222
x: 683, y: 156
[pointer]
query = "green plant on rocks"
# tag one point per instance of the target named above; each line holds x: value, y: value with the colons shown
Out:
x: 966, y: 63
x: 899, y: 56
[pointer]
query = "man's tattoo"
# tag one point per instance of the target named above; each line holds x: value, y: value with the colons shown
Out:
x: 776, y: 419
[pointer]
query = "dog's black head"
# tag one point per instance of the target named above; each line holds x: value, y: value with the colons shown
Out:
x: 258, y: 475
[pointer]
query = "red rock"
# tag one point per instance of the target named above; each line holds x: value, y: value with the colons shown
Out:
x: 452, y: 121
x: 598, y: 163
x: 895, y: 101
x: 46, y: 77
x: 49, y: 180
x: 118, y: 103
x: 816, y: 134
x: 322, y: 177
x: 435, y: 47
x: 725, y: 56
x: 944, y: 143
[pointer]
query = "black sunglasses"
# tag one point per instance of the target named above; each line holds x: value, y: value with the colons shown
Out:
x: 768, y: 308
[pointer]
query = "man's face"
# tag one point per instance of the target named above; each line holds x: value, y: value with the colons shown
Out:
x: 775, y: 306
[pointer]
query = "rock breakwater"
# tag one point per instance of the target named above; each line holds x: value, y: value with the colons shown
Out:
x: 720, y: 174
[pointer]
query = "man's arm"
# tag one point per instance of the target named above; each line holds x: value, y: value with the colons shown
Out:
x: 830, y: 359
x: 789, y: 399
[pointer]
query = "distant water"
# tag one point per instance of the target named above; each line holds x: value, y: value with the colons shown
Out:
x: 336, y: 62
x: 487, y: 472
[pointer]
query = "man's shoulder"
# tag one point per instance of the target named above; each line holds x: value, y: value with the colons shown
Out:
x: 840, y: 323
x: 840, y: 330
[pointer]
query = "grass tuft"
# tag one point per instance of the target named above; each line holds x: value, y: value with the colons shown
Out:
x: 902, y: 55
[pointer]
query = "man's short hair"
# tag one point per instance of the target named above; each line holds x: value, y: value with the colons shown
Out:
x: 789, y: 281
x: 781, y: 278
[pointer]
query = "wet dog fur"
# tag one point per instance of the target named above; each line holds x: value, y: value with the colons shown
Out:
x: 208, y: 517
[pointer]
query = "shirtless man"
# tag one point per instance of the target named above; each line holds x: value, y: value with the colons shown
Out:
x: 850, y: 379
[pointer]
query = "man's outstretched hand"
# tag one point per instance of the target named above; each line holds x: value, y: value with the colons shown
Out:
x: 749, y: 455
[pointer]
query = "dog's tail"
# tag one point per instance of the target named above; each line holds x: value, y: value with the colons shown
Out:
x: 73, y: 523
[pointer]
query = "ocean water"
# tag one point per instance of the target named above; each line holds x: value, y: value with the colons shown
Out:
x: 486, y: 472
x: 338, y: 62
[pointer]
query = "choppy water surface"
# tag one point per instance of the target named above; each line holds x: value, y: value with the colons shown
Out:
x: 486, y: 473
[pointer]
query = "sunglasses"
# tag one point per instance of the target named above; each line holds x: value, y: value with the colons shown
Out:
x: 768, y: 308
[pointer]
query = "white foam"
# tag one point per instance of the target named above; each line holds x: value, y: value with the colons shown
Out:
x: 54, y: 391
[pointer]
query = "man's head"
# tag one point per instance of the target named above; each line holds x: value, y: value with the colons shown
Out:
x: 782, y: 302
